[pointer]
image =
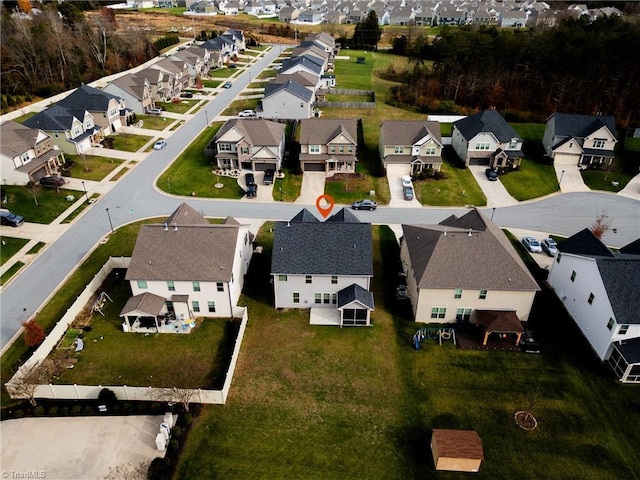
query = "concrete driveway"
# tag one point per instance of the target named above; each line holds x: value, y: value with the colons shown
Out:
x: 265, y: 192
x: 397, y: 197
x: 569, y: 178
x: 497, y: 195
x: 77, y: 447
x: 312, y: 187
x: 632, y: 190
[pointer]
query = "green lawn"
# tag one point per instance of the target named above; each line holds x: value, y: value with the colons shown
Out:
x: 601, y: 180
x: 239, y: 105
x: 129, y: 142
x: 83, y: 206
x: 10, y: 272
x: 10, y: 247
x: 347, y: 188
x: 288, y: 188
x: 459, y: 188
x: 223, y: 72
x: 211, y: 83
x: 92, y: 167
x: 181, y: 106
x: 191, y: 173
x: 632, y: 144
x: 154, y: 122
x: 50, y: 203
x: 323, y: 402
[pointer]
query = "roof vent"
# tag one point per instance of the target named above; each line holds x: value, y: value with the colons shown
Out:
x: 469, y: 234
x: 445, y: 232
x: 175, y: 227
x: 166, y: 228
x: 288, y: 224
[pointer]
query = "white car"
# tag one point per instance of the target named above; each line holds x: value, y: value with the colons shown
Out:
x: 406, y: 181
x: 247, y: 113
x: 531, y: 244
x: 160, y: 144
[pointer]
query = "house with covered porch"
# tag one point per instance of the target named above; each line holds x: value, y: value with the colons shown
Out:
x: 328, y: 145
x: 410, y: 147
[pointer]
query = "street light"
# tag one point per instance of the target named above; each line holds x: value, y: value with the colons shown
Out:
x: 85, y: 190
x: 561, y: 175
x: 492, y: 213
x: 109, y: 216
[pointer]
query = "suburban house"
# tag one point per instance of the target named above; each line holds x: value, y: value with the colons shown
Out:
x: 225, y: 47
x: 328, y: 145
x: 465, y: 270
x: 248, y: 144
x: 486, y: 138
x: 313, y: 51
x: 27, y: 154
x: 288, y: 14
x: 74, y: 131
x: 109, y: 111
x: 289, y: 100
x: 582, y: 140
x: 324, y: 39
x: 305, y: 63
x: 135, y: 90
x: 180, y: 71
x: 196, y: 58
x: 161, y: 83
x: 599, y: 290
x: 324, y: 266
x: 185, y: 268
x: 307, y: 80
x: 310, y: 16
x: 410, y: 147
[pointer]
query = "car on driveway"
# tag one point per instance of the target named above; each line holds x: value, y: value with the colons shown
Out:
x: 160, y: 144
x: 226, y: 85
x: 154, y: 111
x: 247, y: 113
x: 550, y: 246
x: 186, y: 95
x: 268, y: 176
x: 52, y: 181
x: 491, y: 174
x: 249, y: 179
x: 10, y: 218
x: 364, y: 205
x: 406, y: 181
x: 531, y: 244
x: 407, y: 193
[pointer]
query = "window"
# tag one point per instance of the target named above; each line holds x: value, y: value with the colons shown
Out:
x: 308, y: 279
x: 457, y: 293
x: 169, y: 306
x: 482, y: 146
x: 591, y: 297
x: 195, y: 305
x: 142, y: 284
x: 599, y: 143
x: 282, y: 278
x: 318, y: 298
x: 398, y: 150
x: 341, y: 148
x: 483, y: 295
x: 513, y: 144
x: 430, y: 151
x: 623, y: 329
x: 334, y: 280
x: 220, y: 286
x: 350, y: 148
x: 224, y: 147
x: 326, y: 298
x: 211, y: 306
x: 196, y: 286
x: 334, y: 298
x: 171, y: 286
x: 438, y: 312
x: 244, y: 150
x: 296, y: 297
x: 573, y: 275
x: 333, y: 149
x: 463, y: 314
x: 314, y: 148
x: 611, y: 323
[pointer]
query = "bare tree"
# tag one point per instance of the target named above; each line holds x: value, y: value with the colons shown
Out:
x: 25, y: 384
x: 183, y: 379
x: 129, y: 472
x: 601, y: 225
x: 55, y: 26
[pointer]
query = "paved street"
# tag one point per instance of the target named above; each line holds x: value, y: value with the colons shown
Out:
x: 134, y: 197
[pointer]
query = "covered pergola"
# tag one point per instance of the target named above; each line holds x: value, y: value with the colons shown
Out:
x: 500, y: 322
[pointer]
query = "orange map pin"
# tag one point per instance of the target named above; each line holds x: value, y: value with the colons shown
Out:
x: 324, y: 204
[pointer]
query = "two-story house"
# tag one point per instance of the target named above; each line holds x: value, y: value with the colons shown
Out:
x: 324, y: 266
x: 305, y: 63
x: 135, y: 90
x: 180, y: 71
x: 328, y: 145
x: 256, y: 145
x: 485, y: 138
x: 599, y: 290
x: 410, y: 147
x: 27, y: 154
x: 109, y: 111
x: 196, y: 58
x: 582, y: 140
x: 288, y: 100
x: 74, y: 131
x: 185, y: 268
x: 161, y: 83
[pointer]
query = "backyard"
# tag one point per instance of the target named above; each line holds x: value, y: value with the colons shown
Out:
x: 322, y: 402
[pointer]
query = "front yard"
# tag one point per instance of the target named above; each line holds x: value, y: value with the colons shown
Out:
x: 39, y: 204
x: 91, y: 167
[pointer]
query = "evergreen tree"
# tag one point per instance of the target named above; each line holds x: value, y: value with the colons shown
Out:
x: 367, y: 34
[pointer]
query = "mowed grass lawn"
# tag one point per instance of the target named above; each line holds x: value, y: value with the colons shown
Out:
x: 10, y: 246
x: 192, y: 173
x: 92, y: 167
x: 50, y: 202
x: 323, y: 402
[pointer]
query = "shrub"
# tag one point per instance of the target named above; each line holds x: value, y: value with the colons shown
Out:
x: 38, y: 411
x: 174, y: 444
x: 127, y: 409
x: 107, y: 397
x: 156, y: 408
x: 141, y: 408
x: 117, y: 409
x: 159, y: 469
x: 64, y: 411
x: 53, y: 410
x: 88, y: 410
x: 76, y: 410
x: 18, y: 413
x: 176, y: 432
x: 188, y: 418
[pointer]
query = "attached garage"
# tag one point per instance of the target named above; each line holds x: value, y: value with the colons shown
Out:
x: 313, y: 167
x: 261, y: 167
x: 479, y: 161
x: 396, y: 169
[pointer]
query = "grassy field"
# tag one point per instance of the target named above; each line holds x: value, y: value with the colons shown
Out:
x: 92, y: 167
x: 191, y: 172
x: 319, y: 402
x: 50, y: 202
x: 129, y: 142
x: 154, y: 122
x: 10, y: 247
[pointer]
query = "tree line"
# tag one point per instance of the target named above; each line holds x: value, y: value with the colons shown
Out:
x: 57, y: 49
x: 579, y: 67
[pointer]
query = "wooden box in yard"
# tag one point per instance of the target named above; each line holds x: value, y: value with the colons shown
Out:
x: 456, y: 450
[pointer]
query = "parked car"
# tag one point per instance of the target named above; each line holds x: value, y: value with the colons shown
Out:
x: 406, y: 181
x: 491, y: 174
x: 277, y: 67
x: 160, y: 144
x: 249, y: 179
x: 407, y: 193
x: 227, y: 85
x: 10, y: 218
x: 186, y: 95
x: 268, y: 176
x: 154, y: 111
x: 233, y: 65
x: 531, y: 244
x: 52, y: 181
x: 550, y: 246
x: 247, y: 113
x: 252, y: 190
x: 364, y: 205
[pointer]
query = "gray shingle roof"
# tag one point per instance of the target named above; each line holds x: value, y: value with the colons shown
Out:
x: 186, y: 215
x: 408, y: 132
x: 621, y: 278
x: 307, y: 61
x: 256, y: 132
x: 322, y: 248
x: 574, y: 125
x: 486, y: 121
x: 88, y: 98
x: 148, y: 303
x: 584, y: 243
x: 54, y: 118
x: 355, y: 293
x: 446, y: 256
x: 296, y: 89
x: 305, y: 216
x: 320, y: 131
x: 17, y: 138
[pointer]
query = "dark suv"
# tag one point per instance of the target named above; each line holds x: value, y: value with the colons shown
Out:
x: 252, y: 188
x: 52, y: 181
x: 11, y: 219
x: 268, y: 177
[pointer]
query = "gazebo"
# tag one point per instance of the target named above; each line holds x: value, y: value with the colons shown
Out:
x: 500, y: 322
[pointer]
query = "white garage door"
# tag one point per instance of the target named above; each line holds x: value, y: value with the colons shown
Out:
x: 400, y: 170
